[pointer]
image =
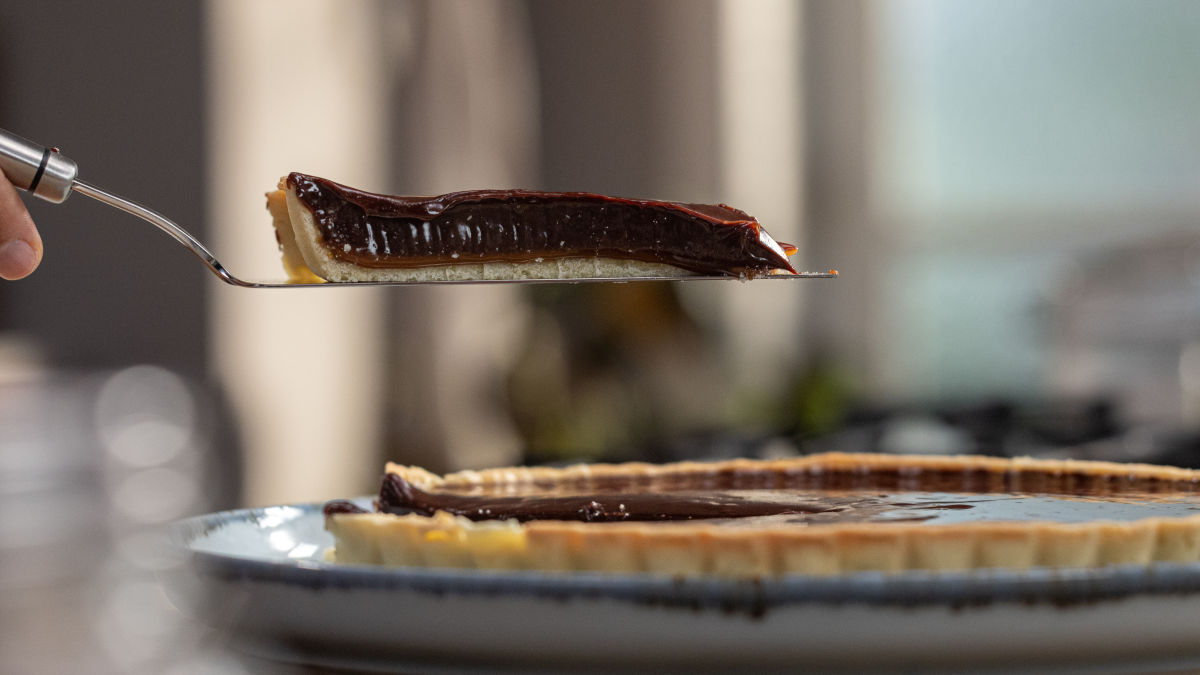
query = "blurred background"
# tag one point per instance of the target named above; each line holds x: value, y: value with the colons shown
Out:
x: 1010, y: 190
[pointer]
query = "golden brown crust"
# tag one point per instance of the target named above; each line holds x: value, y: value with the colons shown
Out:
x: 293, y: 259
x: 697, y: 548
x: 811, y: 464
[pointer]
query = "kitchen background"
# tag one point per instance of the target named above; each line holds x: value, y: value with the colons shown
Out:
x: 1010, y: 190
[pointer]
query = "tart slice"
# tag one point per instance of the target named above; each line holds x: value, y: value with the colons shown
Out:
x: 338, y: 233
x: 821, y: 514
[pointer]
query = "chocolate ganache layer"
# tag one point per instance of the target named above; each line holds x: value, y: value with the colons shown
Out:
x: 939, y: 498
x: 380, y: 231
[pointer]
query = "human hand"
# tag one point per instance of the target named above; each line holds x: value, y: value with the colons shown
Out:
x: 20, y: 243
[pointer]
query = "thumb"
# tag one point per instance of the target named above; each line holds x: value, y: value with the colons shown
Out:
x: 20, y: 243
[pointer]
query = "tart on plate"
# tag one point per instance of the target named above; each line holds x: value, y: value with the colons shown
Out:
x: 338, y: 233
x: 821, y: 514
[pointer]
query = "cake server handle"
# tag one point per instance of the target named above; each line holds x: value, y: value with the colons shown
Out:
x: 46, y: 173
x: 43, y: 171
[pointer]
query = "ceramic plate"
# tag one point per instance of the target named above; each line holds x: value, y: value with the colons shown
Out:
x: 258, y: 576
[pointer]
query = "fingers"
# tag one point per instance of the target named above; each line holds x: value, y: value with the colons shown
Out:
x: 20, y: 243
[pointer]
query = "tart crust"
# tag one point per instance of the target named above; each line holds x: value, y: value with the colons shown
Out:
x: 293, y: 259
x: 698, y: 548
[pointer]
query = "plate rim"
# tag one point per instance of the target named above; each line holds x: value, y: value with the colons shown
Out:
x: 1061, y: 587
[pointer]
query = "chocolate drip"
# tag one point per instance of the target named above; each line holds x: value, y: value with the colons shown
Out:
x: 373, y: 230
x: 402, y: 497
x: 342, y: 506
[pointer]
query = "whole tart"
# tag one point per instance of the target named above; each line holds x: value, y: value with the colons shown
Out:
x: 819, y: 514
x: 338, y: 233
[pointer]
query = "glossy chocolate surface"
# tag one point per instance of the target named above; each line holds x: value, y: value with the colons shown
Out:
x: 810, y: 500
x: 381, y: 231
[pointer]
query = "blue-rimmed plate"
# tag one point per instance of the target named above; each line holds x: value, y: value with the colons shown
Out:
x: 259, y: 576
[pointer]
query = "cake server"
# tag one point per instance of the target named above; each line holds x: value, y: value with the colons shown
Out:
x: 46, y: 173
